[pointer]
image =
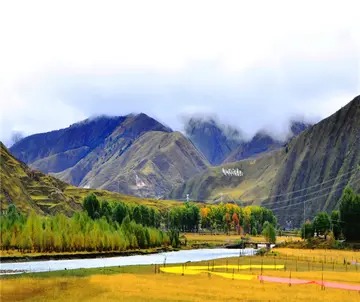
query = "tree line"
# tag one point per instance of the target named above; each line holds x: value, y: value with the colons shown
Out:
x: 220, y: 218
x: 117, y: 211
x: 119, y: 226
x: 79, y: 233
x: 343, y: 223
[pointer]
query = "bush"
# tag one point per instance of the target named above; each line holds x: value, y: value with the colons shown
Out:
x: 262, y: 252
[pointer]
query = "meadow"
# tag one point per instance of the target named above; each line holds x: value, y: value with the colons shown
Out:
x: 149, y: 283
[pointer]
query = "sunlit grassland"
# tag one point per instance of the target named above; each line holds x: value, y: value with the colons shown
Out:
x: 145, y: 283
x: 80, y: 193
x: 320, y: 255
x: 163, y: 287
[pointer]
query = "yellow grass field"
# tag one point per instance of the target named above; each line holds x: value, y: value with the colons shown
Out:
x: 163, y: 287
x: 200, y: 269
x: 319, y: 255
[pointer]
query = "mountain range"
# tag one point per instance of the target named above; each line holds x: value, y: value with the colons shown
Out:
x: 132, y: 154
x: 309, y: 172
x: 137, y: 155
x: 225, y: 144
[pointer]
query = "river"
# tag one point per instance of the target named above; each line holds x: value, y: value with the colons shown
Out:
x: 168, y: 257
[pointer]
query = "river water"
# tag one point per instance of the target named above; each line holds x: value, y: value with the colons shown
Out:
x: 160, y: 258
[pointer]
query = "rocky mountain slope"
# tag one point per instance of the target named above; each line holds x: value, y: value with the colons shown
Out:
x: 58, y: 150
x: 215, y: 141
x: 152, y: 166
x: 224, y: 144
x: 263, y: 142
x: 32, y: 190
x: 318, y: 164
x: 311, y: 170
x: 260, y: 143
x: 134, y: 154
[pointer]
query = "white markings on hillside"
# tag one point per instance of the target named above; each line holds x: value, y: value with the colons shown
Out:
x: 139, y: 182
x: 232, y: 172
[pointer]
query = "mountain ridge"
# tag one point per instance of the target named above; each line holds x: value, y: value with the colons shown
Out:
x: 94, y: 155
x: 324, y: 151
x: 222, y: 144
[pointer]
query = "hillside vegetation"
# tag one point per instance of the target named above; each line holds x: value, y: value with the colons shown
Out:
x: 314, y: 167
x: 29, y: 190
x: 151, y: 166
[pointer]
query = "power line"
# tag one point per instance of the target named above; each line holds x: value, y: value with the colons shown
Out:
x: 263, y: 199
x: 302, y: 196
x: 299, y: 203
x: 304, y: 189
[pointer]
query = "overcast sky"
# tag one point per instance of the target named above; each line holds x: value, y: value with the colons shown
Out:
x: 253, y: 64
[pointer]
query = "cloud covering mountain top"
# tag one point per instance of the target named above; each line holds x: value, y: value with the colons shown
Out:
x: 254, y: 66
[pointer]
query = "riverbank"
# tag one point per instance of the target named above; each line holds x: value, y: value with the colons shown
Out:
x: 188, y: 240
x: 17, y: 256
x: 162, y: 258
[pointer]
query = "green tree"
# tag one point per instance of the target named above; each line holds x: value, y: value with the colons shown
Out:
x: 336, y: 225
x: 195, y: 217
x: 350, y: 214
x: 137, y: 215
x: 322, y: 224
x: 106, y: 210
x: 92, y: 206
x: 120, y: 212
x: 269, y: 232
x: 145, y: 215
x: 174, y: 237
x: 126, y: 225
x: 12, y: 213
x: 157, y: 219
x: 151, y: 217
x: 307, y: 230
x: 78, y: 233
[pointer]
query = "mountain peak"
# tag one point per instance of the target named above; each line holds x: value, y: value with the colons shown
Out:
x: 296, y: 127
x: 214, y: 140
x: 147, y: 121
x: 95, y: 119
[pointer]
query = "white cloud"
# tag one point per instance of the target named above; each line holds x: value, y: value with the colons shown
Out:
x: 63, y: 60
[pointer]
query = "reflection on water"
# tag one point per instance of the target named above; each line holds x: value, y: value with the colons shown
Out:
x: 168, y: 257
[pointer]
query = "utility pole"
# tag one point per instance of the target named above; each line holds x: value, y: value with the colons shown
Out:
x: 304, y: 217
